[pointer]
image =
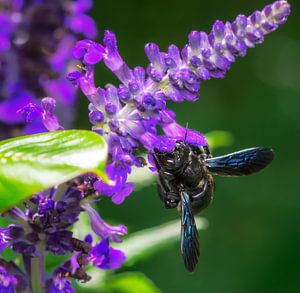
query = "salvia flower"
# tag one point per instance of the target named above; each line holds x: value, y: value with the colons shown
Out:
x: 128, y: 116
x: 36, y: 44
x: 41, y: 118
x: 46, y: 223
x: 106, y: 257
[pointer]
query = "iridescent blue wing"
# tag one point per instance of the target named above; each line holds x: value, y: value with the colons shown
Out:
x: 189, y: 234
x: 244, y: 162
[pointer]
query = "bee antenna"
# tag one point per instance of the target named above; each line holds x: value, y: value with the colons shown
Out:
x: 186, y: 131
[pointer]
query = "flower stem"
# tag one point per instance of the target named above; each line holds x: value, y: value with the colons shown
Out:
x: 37, y: 275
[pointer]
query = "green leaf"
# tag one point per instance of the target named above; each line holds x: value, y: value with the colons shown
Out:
x: 33, y: 163
x: 131, y: 283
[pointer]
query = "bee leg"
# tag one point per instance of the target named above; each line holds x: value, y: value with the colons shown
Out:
x: 171, y: 200
x: 168, y: 194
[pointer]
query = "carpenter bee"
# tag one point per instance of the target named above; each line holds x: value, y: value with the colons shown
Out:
x: 186, y: 182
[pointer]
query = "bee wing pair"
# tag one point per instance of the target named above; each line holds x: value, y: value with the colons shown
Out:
x: 244, y: 162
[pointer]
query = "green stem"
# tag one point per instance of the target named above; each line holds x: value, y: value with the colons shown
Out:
x: 38, y: 273
x: 35, y: 276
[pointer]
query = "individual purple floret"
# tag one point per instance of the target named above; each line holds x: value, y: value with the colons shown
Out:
x: 60, y: 283
x: 12, y: 279
x: 41, y: 117
x: 36, y: 44
x: 105, y: 257
x: 7, y: 281
x: 128, y: 116
x: 4, y: 238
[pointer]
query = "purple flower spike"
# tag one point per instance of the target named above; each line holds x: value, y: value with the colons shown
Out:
x: 105, y: 257
x: 101, y: 228
x: 128, y: 116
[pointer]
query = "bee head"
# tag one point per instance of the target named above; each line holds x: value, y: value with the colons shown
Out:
x: 174, y: 159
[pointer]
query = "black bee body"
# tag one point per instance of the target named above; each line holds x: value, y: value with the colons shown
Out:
x: 186, y: 182
x: 184, y: 170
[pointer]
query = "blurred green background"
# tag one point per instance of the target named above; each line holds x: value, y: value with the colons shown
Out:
x: 253, y: 240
